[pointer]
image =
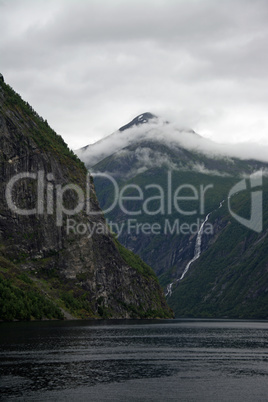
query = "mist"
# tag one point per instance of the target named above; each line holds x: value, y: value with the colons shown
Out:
x: 171, y: 136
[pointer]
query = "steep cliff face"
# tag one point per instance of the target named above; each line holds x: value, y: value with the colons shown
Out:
x: 42, y: 184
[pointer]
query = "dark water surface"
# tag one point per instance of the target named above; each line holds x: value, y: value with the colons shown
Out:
x: 178, y: 360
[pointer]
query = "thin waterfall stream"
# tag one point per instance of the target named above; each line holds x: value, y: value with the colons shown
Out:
x: 197, y: 253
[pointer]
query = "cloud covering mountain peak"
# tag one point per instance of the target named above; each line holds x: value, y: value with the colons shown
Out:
x: 152, y: 128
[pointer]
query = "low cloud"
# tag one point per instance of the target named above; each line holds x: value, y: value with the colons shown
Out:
x: 87, y: 67
x: 172, y: 137
x: 200, y: 168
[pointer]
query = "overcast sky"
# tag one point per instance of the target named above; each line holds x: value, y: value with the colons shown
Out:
x: 89, y: 67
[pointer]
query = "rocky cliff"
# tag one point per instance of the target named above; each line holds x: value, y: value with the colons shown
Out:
x: 53, y: 233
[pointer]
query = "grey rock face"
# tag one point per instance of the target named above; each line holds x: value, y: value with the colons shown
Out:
x: 89, y: 265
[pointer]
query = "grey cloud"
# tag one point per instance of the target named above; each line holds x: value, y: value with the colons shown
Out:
x: 172, y: 20
x: 171, y: 136
x: 90, y: 66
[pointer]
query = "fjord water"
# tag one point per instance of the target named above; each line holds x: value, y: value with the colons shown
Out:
x: 129, y: 360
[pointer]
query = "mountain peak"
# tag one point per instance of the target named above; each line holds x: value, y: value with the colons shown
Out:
x: 140, y: 119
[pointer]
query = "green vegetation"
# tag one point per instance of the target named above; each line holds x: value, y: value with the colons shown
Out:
x: 20, y: 299
x: 24, y: 297
x: 230, y: 278
x: 28, y: 296
x: 134, y: 261
x: 42, y: 296
x: 38, y: 128
x: 141, y: 310
x: 78, y: 305
x: 156, y: 249
x: 33, y: 287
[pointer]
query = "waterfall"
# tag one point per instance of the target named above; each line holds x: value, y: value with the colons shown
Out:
x: 197, y: 249
x: 197, y: 253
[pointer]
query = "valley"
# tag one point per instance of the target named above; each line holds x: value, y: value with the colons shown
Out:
x: 160, y: 188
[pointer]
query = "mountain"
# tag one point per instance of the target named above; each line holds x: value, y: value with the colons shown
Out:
x: 230, y: 279
x: 165, y: 191
x: 57, y: 257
